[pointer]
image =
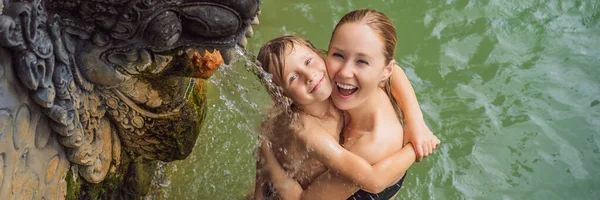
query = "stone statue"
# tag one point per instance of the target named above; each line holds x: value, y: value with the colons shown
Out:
x: 94, y: 84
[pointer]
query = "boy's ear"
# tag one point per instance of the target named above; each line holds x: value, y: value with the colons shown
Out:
x: 387, y: 70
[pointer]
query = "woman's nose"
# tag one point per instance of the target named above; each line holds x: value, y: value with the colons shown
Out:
x: 345, y: 71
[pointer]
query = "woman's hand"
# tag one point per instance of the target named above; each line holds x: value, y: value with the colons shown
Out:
x: 424, y: 142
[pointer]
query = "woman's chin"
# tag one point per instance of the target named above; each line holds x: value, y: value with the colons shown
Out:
x: 341, y: 103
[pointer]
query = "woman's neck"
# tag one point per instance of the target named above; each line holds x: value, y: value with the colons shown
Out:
x: 368, y: 112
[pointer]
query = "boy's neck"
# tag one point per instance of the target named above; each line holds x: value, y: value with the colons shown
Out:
x: 318, y: 109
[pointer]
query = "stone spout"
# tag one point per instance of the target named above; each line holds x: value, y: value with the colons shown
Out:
x: 193, y: 64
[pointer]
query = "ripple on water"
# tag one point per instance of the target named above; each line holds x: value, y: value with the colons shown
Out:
x: 536, y: 99
x: 568, y: 154
x: 510, y: 87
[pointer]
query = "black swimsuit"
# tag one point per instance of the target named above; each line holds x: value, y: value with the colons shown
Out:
x: 385, y: 194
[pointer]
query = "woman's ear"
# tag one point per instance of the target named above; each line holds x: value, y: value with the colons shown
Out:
x: 387, y: 70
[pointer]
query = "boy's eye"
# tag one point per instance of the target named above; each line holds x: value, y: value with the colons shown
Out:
x: 363, y: 62
x: 293, y: 77
x: 307, y: 61
x: 338, y: 55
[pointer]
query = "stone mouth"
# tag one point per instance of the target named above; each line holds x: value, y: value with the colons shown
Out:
x: 160, y: 97
x: 171, y: 70
x: 177, y: 61
x: 157, y: 58
x: 162, y: 82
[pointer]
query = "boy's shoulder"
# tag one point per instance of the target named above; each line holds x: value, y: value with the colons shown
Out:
x: 310, y: 127
x: 277, y: 123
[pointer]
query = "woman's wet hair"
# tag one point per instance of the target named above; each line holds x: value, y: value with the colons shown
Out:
x: 384, y: 28
x: 379, y: 23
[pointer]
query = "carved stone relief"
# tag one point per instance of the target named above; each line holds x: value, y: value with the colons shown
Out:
x: 86, y: 82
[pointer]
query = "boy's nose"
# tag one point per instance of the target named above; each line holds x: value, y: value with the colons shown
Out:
x: 309, y: 75
x: 310, y: 78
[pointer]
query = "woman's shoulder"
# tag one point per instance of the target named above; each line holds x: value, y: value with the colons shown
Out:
x: 389, y: 127
x: 387, y: 117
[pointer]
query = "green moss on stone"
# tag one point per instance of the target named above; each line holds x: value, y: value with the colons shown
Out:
x: 73, y: 186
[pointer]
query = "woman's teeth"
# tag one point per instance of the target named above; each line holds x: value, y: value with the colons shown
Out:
x: 346, y: 90
x: 346, y: 87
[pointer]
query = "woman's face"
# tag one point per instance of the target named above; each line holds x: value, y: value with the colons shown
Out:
x: 355, y: 63
x: 305, y: 78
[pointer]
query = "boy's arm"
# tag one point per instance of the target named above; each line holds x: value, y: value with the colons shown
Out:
x: 285, y: 186
x: 330, y: 186
x: 416, y: 131
x: 355, y: 169
x: 260, y: 181
x: 339, y: 160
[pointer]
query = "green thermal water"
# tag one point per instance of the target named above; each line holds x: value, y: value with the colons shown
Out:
x: 512, y: 88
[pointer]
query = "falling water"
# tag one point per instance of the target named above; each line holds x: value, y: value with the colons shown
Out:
x: 237, y: 98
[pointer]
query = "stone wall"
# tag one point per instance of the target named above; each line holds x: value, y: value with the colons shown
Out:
x: 33, y: 165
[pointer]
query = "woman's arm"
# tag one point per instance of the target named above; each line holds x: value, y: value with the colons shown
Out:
x: 405, y: 95
x: 416, y: 131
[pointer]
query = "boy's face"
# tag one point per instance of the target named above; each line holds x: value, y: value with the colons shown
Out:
x: 305, y: 78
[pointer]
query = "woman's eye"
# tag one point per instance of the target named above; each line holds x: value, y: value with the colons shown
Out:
x: 338, y: 55
x: 307, y: 61
x: 363, y: 62
x: 292, y: 78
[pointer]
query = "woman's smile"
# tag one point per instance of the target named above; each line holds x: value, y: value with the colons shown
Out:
x: 345, y: 90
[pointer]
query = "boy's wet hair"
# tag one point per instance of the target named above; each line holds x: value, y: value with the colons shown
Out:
x: 272, y: 54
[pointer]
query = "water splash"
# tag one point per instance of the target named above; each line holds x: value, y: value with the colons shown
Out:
x: 266, y: 78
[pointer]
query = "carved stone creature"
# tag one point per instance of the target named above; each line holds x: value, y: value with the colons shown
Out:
x: 114, y: 75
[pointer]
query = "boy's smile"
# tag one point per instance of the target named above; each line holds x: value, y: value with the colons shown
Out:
x: 305, y: 79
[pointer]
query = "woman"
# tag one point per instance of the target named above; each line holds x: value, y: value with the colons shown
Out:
x: 359, y: 62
